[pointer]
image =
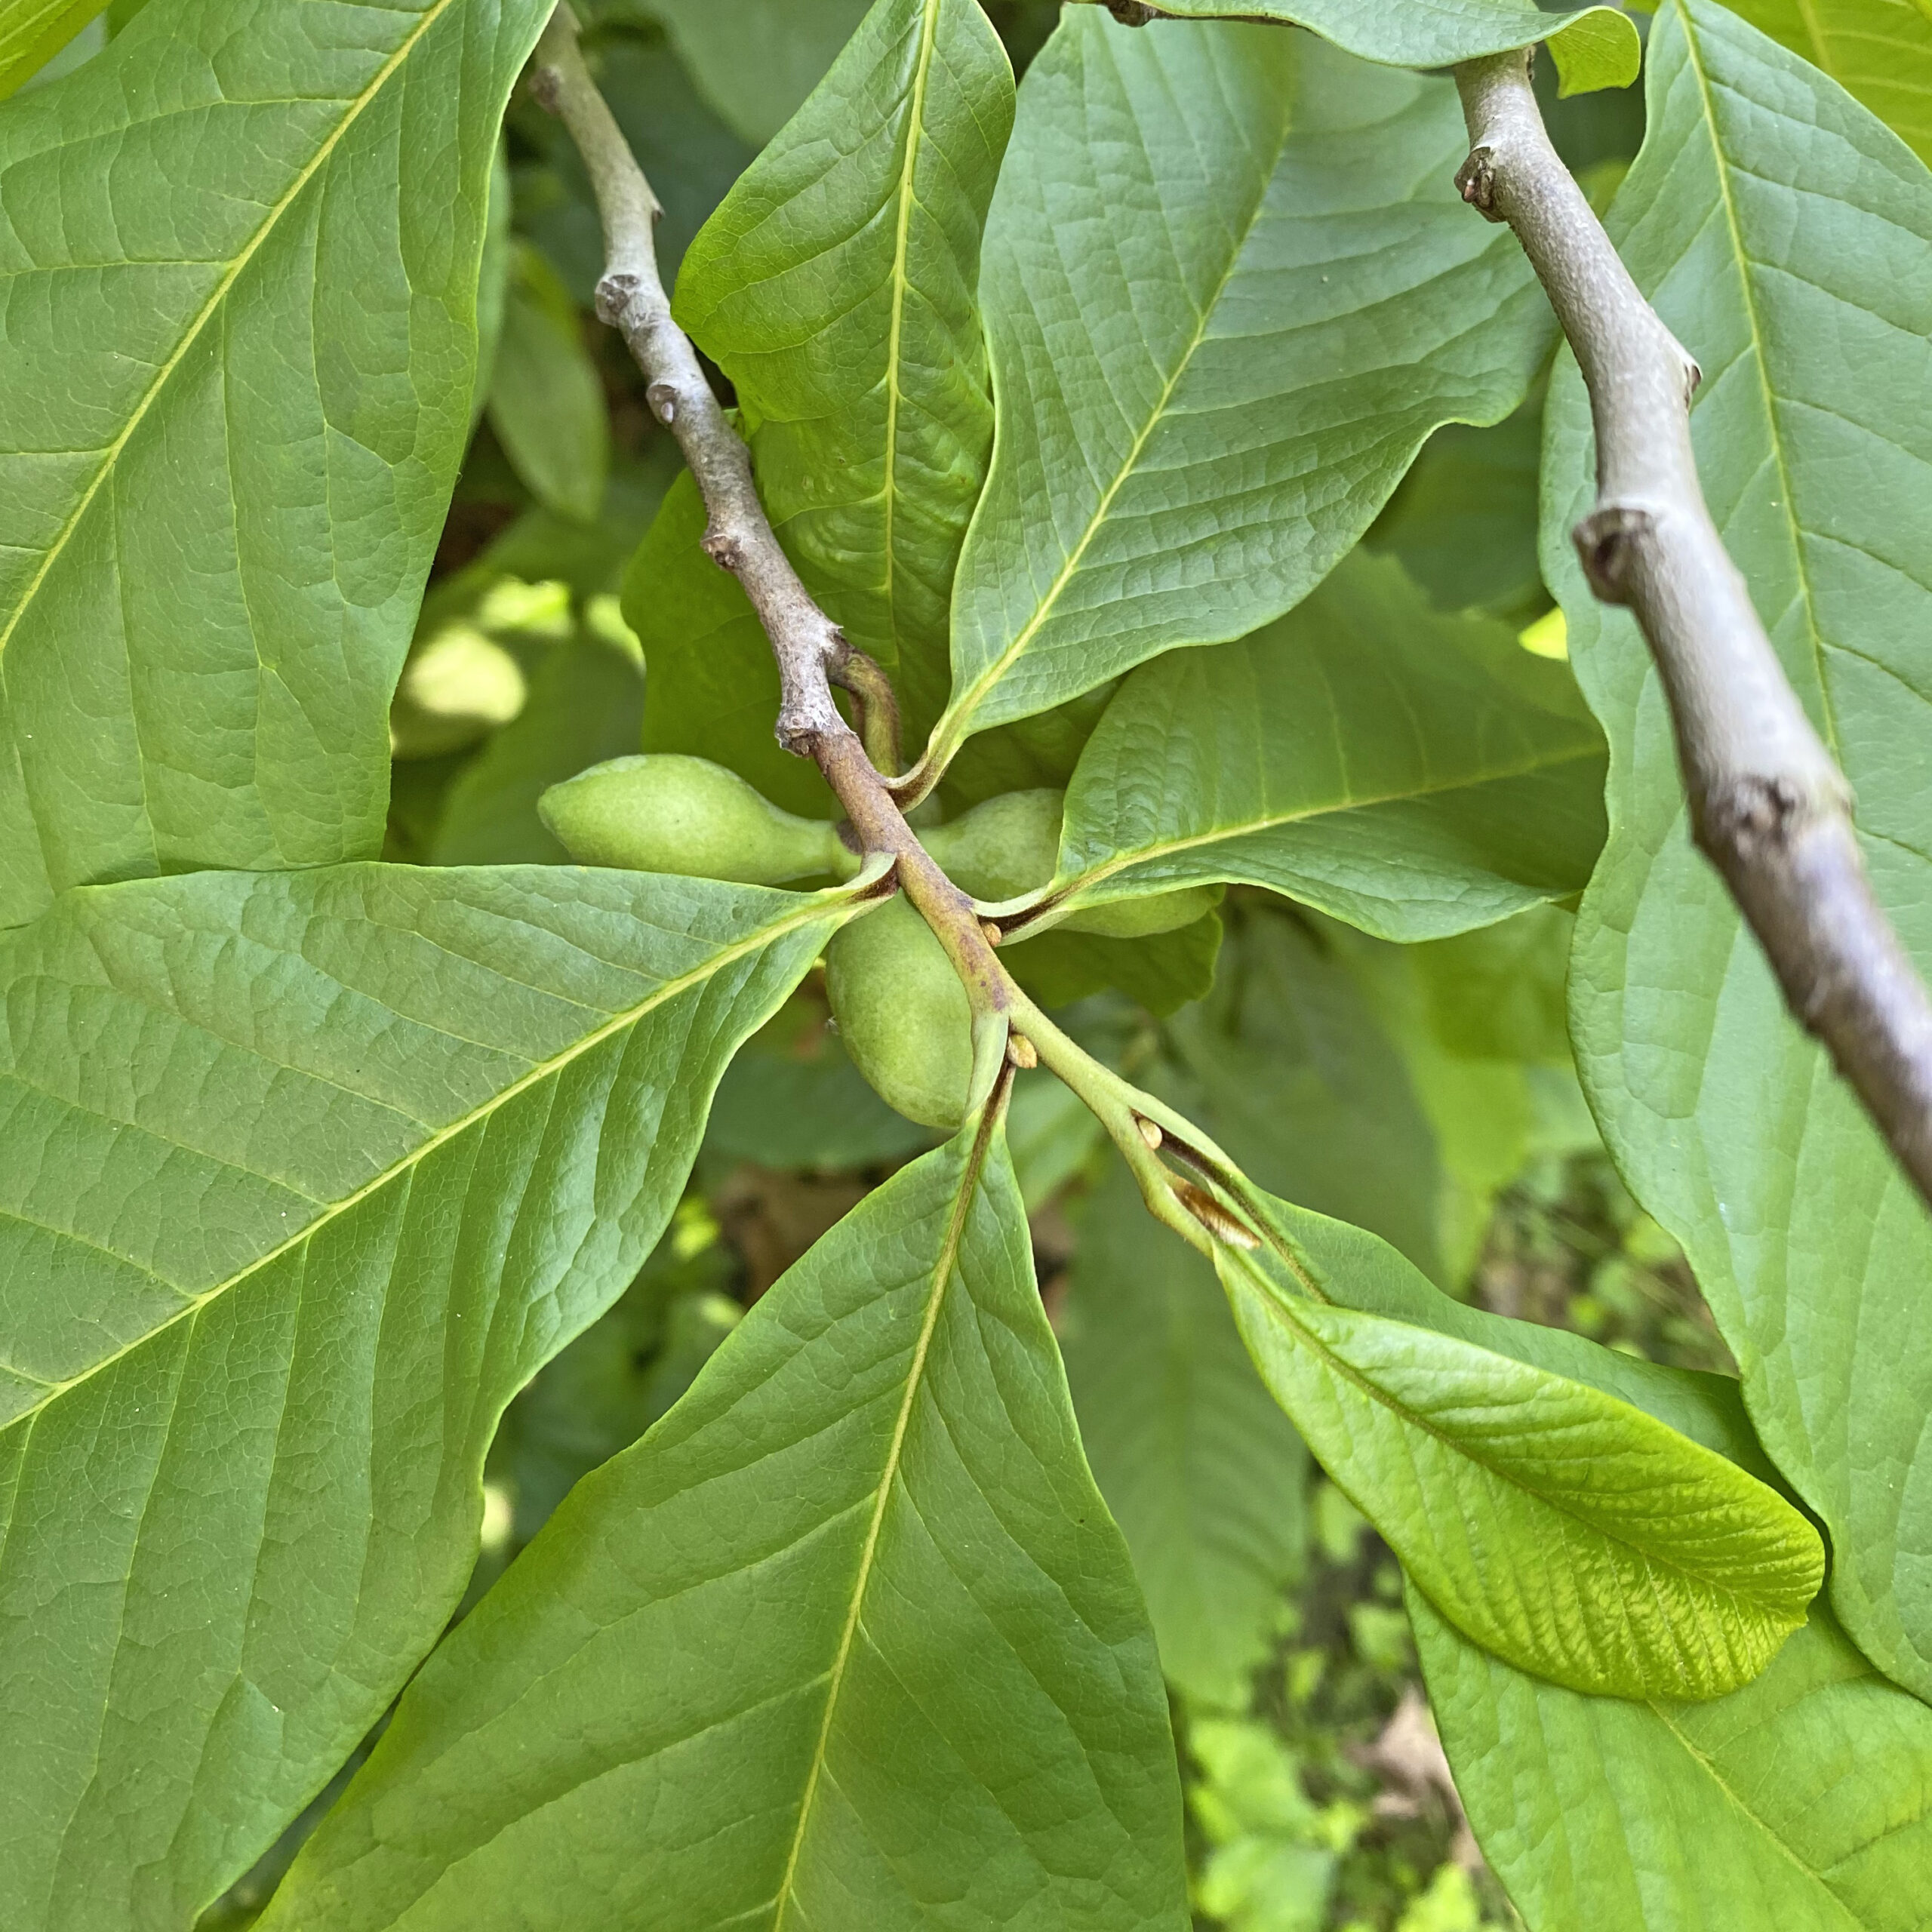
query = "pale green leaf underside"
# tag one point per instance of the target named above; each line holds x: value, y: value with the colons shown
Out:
x: 1229, y: 289
x: 1802, y: 1803
x: 1786, y: 236
x: 238, y: 256
x: 302, y: 1176
x: 835, y: 286
x: 1202, y: 1471
x: 1594, y: 47
x: 1880, y: 50
x: 1560, y: 1527
x: 1414, y: 773
x: 848, y: 1641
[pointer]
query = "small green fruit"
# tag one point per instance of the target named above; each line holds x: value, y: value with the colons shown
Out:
x: 661, y: 812
x: 1141, y: 918
x: 903, y: 1015
x: 1000, y: 849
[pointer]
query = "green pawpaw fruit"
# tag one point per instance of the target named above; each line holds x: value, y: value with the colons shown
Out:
x: 662, y: 812
x: 1002, y: 847
x: 903, y: 1016
x: 1141, y: 918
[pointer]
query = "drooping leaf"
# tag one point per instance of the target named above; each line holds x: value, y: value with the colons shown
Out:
x: 304, y: 1175
x: 711, y: 685
x: 1593, y: 47
x: 1284, y: 1064
x: 1193, y: 229
x: 1202, y: 1471
x: 850, y: 1632
x: 1415, y: 774
x: 239, y: 274
x: 1784, y: 235
x: 756, y: 60
x: 1880, y: 50
x: 835, y: 286
x: 32, y: 31
x: 547, y: 399
x: 1573, y: 1535
x: 1802, y: 1803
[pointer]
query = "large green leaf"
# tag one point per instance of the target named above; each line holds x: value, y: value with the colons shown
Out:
x: 835, y: 286
x: 1784, y: 235
x: 1594, y: 47
x: 1802, y: 1803
x: 756, y: 60
x: 848, y: 1640
x: 1880, y: 50
x: 1568, y: 1532
x: 304, y: 1175
x: 1202, y: 1471
x: 1414, y: 773
x: 1229, y: 289
x: 239, y: 277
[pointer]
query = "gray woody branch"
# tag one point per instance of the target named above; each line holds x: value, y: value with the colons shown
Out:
x: 1768, y: 806
x: 811, y: 651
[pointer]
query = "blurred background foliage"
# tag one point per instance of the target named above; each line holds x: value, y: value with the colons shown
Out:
x: 1425, y: 1092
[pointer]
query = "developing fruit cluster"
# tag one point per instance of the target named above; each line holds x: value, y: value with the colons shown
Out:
x: 903, y: 1015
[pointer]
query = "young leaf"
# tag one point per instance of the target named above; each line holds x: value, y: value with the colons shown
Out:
x: 305, y: 1174
x: 234, y: 388
x: 1880, y: 50
x: 547, y: 399
x: 711, y: 686
x: 1796, y: 1804
x: 835, y: 286
x: 1593, y: 47
x: 1230, y: 288
x: 1202, y: 1471
x: 1415, y: 774
x: 1783, y: 235
x: 848, y: 1640
x: 1573, y: 1535
x: 756, y: 60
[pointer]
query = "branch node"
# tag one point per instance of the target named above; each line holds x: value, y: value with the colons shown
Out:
x: 546, y: 89
x: 1150, y: 1132
x: 723, y: 550
x: 1475, y: 182
x: 991, y: 931
x: 1021, y: 1050
x: 1606, y: 541
x: 616, y: 291
x: 662, y: 398
x: 1133, y: 12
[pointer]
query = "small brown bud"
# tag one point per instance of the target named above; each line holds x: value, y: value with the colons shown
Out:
x: 1150, y: 1131
x: 1021, y: 1050
x: 1213, y: 1216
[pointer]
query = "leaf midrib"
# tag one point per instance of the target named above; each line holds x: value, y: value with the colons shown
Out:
x: 542, y: 1070
x: 1272, y: 822
x: 901, y: 249
x: 111, y: 455
x: 949, y: 729
x: 1280, y: 1311
x: 1693, y: 55
x: 941, y: 1278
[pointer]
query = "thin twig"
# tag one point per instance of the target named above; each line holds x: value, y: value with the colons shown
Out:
x: 810, y: 650
x: 1768, y: 806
